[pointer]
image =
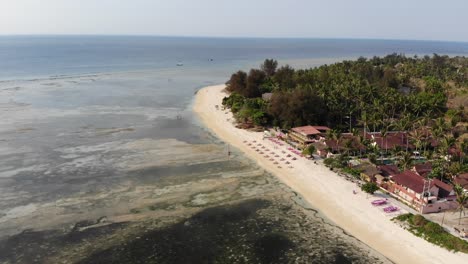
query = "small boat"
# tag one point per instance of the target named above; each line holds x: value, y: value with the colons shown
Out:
x: 180, y: 64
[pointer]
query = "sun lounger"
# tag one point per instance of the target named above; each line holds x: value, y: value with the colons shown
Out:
x: 390, y: 209
x: 378, y: 202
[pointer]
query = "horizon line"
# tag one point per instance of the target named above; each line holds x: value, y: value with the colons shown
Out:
x: 227, y: 37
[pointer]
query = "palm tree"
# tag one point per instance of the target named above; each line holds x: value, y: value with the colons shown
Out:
x: 462, y: 199
x: 445, y: 145
x: 406, y: 161
x: 439, y: 124
x: 337, y: 137
x: 383, y: 134
x: 417, y: 138
x: 334, y: 135
x: 403, y: 125
x: 464, y: 150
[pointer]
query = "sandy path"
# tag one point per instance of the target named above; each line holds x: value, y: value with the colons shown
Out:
x: 325, y: 190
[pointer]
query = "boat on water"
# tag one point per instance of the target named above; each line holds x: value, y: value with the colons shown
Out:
x: 180, y: 64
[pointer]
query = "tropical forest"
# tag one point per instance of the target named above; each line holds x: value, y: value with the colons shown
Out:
x: 425, y: 97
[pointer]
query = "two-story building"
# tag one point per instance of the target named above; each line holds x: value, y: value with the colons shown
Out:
x: 425, y: 195
x: 306, y: 135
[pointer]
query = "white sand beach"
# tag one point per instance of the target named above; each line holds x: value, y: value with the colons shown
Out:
x: 323, y: 189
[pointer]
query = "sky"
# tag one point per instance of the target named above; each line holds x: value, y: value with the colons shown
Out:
x: 375, y: 19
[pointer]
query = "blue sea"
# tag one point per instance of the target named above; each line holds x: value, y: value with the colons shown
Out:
x: 97, y: 135
x: 43, y: 56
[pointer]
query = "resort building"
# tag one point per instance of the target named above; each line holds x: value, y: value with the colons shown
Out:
x: 392, y: 140
x: 369, y: 172
x: 389, y: 170
x: 348, y: 142
x: 426, y: 195
x: 422, y: 169
x: 306, y: 135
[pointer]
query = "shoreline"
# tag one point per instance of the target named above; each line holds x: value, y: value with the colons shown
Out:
x: 353, y: 213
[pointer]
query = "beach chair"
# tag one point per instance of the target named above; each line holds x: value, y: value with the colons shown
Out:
x: 378, y: 202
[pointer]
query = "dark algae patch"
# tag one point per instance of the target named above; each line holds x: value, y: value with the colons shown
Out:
x: 225, y: 234
x: 270, y: 230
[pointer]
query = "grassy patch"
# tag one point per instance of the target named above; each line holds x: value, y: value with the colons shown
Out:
x: 432, y: 232
x: 355, y: 172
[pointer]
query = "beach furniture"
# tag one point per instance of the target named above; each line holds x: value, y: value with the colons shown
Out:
x: 379, y: 202
x: 390, y: 209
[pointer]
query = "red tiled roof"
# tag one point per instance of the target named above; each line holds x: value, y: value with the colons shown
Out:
x: 416, y: 183
x: 423, y: 168
x: 391, y: 140
x: 306, y: 130
x: 333, y: 144
x: 462, y: 180
x: 442, y: 185
x: 411, y: 180
x: 321, y: 128
x: 389, y: 170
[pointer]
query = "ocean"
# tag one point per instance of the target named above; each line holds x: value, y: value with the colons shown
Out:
x: 98, y: 143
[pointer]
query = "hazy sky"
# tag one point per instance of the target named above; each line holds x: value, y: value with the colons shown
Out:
x: 394, y: 19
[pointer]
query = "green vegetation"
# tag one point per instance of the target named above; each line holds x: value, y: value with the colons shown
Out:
x: 355, y: 172
x: 366, y: 91
x: 432, y: 232
x: 309, y: 150
x: 340, y: 161
x: 423, y: 96
x: 462, y: 200
x: 369, y: 187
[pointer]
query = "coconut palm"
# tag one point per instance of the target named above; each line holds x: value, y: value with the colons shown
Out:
x: 403, y: 125
x: 384, y: 133
x: 463, y: 146
x: 406, y: 161
x: 445, y: 144
x: 417, y: 137
x: 462, y: 199
x: 440, y: 124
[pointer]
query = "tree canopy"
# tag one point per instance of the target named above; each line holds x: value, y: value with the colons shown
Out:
x: 365, y: 91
